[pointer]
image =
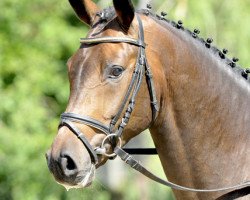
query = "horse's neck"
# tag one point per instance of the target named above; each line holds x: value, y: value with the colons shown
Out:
x: 202, y: 132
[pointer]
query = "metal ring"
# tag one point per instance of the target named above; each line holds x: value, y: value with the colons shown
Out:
x: 107, y: 137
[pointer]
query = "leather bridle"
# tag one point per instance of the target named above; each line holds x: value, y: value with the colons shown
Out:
x: 141, y: 67
x: 113, y: 134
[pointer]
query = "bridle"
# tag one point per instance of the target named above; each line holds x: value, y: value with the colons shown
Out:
x: 129, y: 99
x: 113, y: 134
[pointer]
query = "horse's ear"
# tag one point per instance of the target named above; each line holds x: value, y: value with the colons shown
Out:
x: 125, y: 12
x: 85, y: 10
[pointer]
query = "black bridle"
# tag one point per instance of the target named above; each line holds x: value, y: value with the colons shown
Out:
x: 141, y: 68
x: 113, y: 135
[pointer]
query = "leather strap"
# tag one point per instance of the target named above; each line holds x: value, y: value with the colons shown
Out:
x: 149, y: 74
x: 81, y: 137
x: 131, y: 104
x: 98, y: 40
x: 85, y: 120
x: 141, y: 151
x: 139, y: 167
x: 135, y: 77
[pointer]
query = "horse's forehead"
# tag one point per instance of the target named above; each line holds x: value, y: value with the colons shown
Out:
x: 104, y: 30
x: 91, y: 55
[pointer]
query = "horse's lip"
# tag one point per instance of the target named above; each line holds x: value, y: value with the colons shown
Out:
x: 87, y: 180
x: 84, y: 180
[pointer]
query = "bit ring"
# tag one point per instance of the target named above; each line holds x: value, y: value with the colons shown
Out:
x: 118, y: 143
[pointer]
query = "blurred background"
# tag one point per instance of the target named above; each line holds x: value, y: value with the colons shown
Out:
x: 36, y: 39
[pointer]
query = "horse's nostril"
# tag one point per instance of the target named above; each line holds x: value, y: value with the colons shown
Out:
x: 69, y: 167
x: 70, y: 163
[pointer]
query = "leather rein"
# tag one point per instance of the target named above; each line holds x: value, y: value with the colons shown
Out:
x: 114, y: 135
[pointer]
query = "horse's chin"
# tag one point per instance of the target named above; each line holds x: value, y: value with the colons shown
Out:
x: 84, y: 181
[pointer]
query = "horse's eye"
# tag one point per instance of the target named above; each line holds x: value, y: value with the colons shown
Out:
x: 116, y: 71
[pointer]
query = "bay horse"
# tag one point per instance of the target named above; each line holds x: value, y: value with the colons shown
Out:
x: 192, y: 98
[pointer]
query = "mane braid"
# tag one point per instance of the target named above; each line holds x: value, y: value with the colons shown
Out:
x: 207, y: 44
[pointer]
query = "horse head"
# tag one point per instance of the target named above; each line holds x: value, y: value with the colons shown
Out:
x: 105, y: 75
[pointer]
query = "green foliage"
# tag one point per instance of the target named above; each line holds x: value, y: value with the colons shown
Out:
x: 36, y: 39
x: 35, y: 45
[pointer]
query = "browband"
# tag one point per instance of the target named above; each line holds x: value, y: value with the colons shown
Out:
x: 99, y: 40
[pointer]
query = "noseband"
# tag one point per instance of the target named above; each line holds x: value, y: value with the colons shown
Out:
x: 114, y: 134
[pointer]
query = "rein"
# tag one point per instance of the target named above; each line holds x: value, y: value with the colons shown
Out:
x: 114, y: 135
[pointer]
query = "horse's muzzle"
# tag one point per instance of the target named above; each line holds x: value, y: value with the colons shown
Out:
x: 67, y: 172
